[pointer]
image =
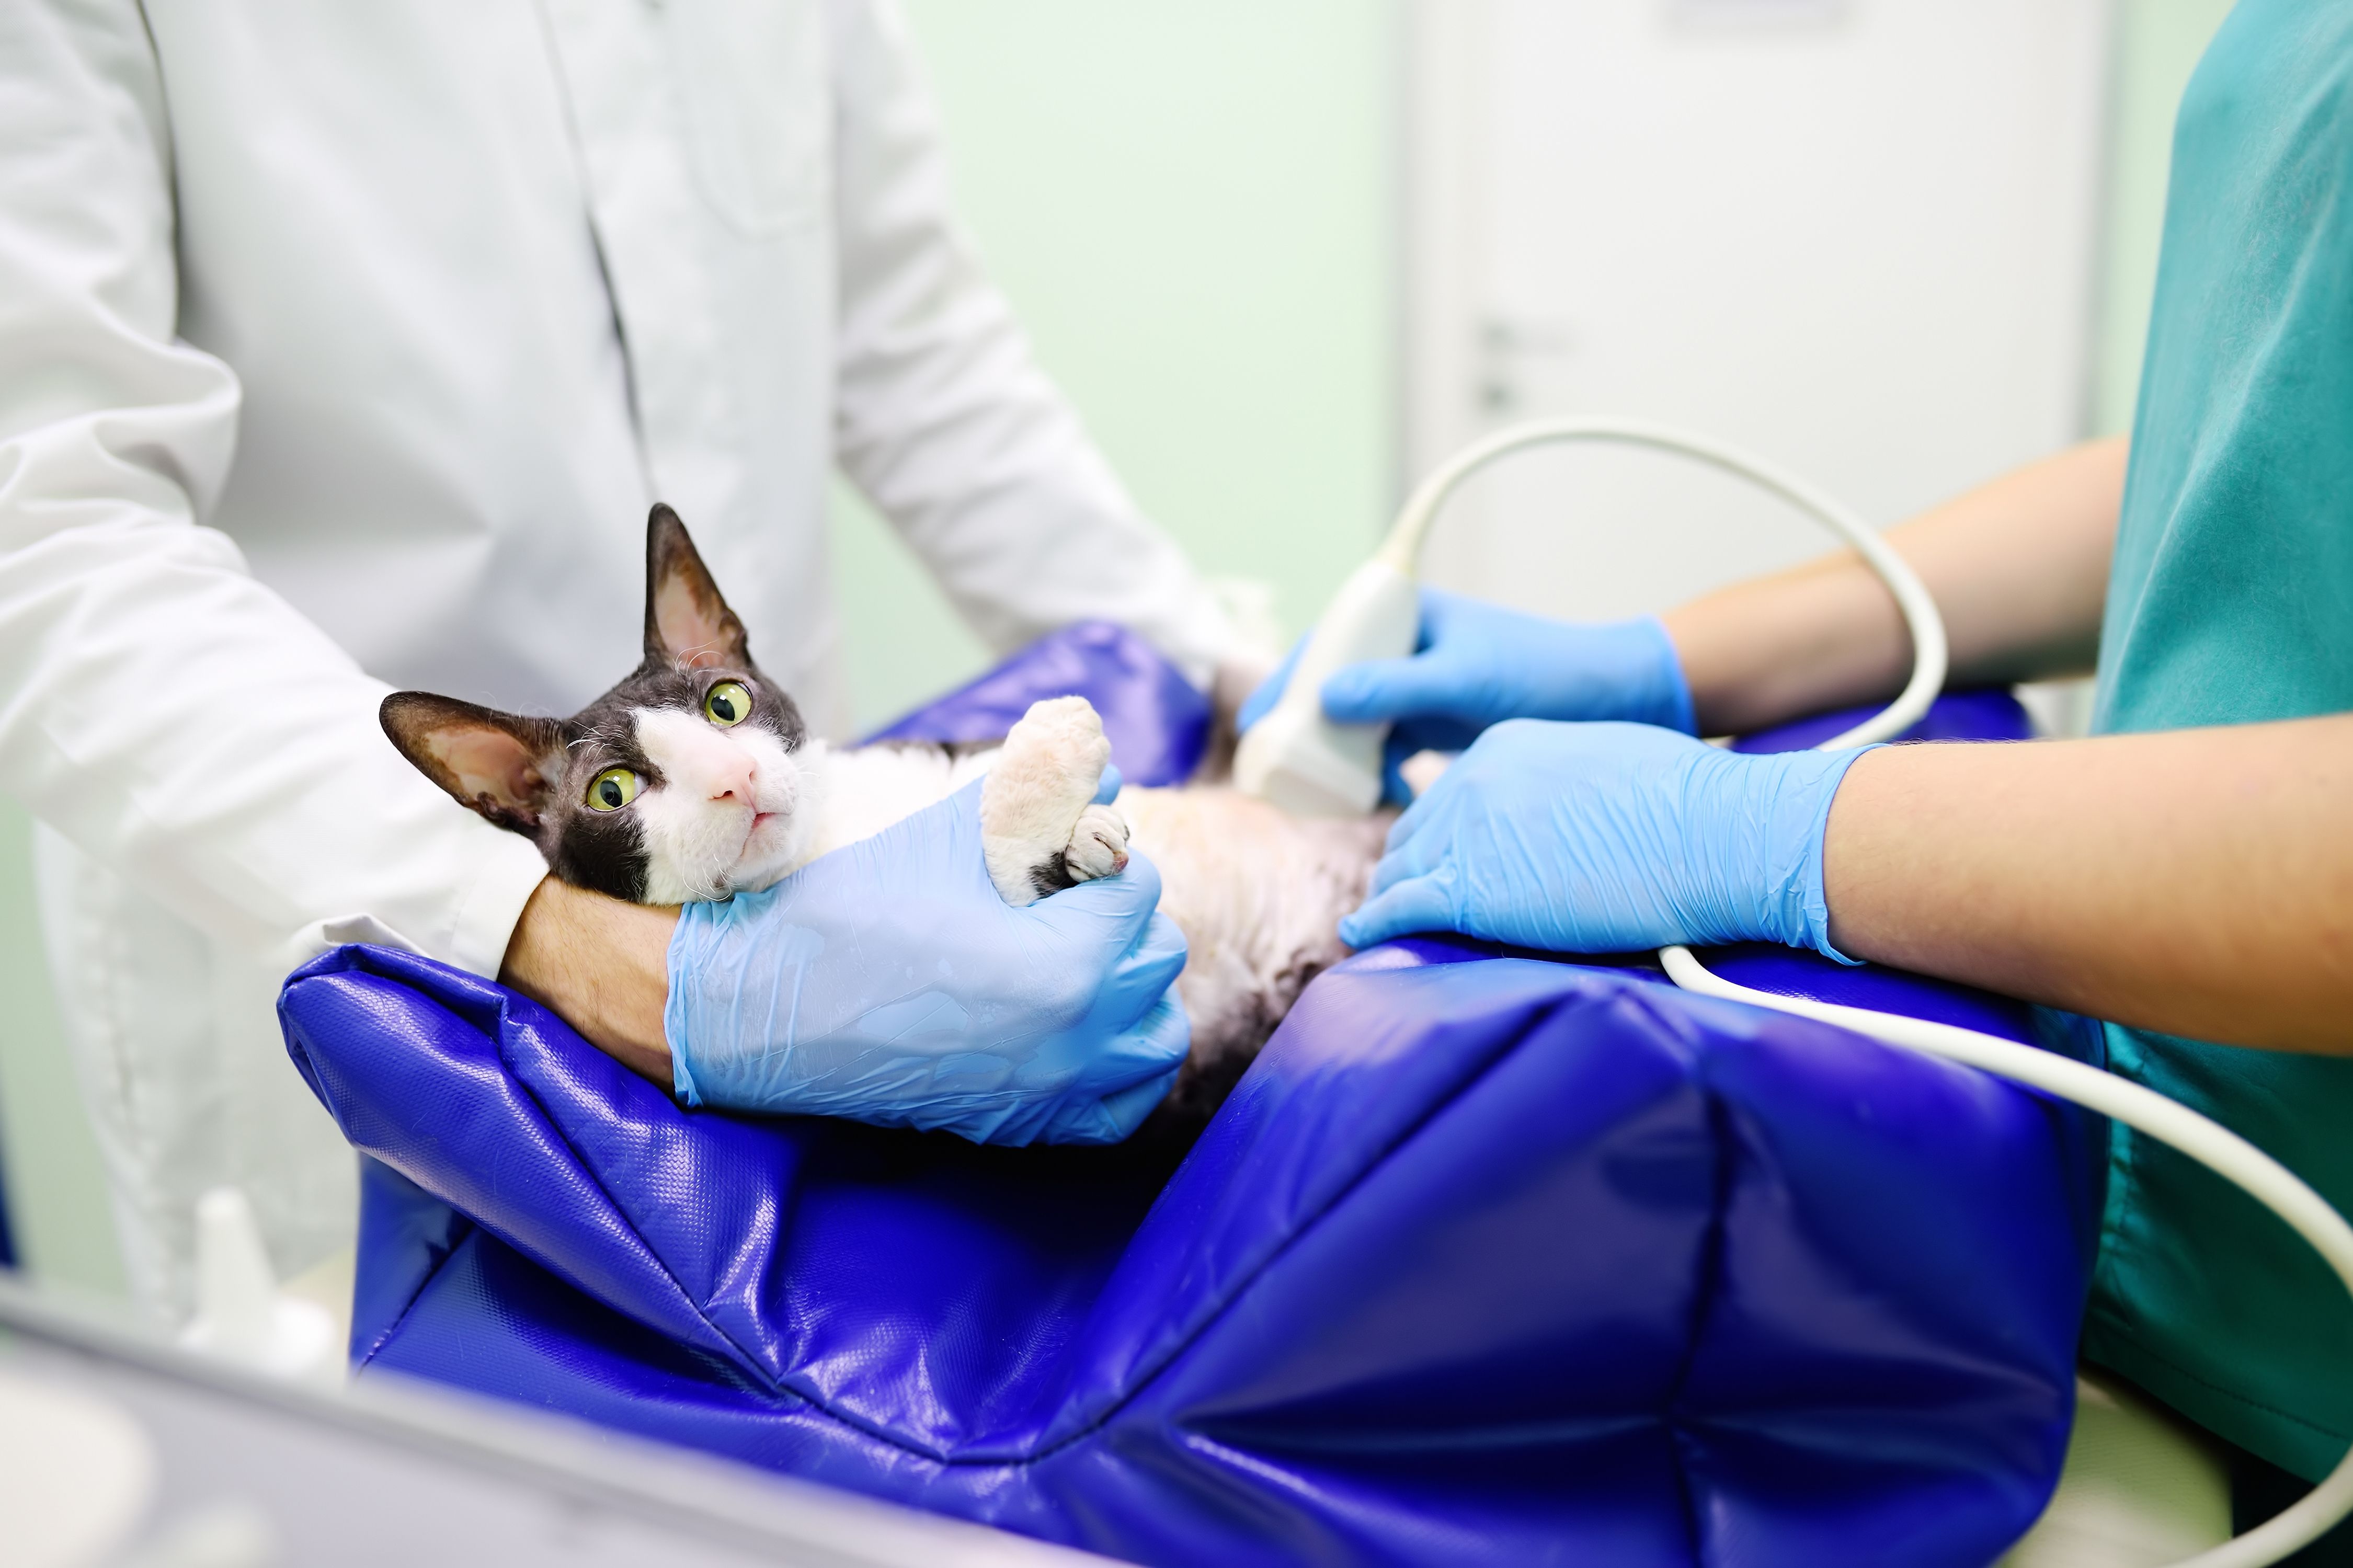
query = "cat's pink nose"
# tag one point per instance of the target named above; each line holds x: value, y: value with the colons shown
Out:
x: 733, y: 780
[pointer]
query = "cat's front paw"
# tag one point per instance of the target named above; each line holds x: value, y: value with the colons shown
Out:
x: 1039, y: 827
x: 1098, y: 846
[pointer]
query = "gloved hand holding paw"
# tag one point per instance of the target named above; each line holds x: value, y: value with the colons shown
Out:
x: 1609, y: 838
x: 889, y: 982
x: 1480, y: 664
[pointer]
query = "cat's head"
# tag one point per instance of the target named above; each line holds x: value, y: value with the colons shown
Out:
x: 686, y: 782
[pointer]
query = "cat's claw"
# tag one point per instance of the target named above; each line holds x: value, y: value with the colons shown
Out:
x: 1098, y: 846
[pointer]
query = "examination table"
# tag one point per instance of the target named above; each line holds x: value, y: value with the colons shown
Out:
x: 1490, y: 1258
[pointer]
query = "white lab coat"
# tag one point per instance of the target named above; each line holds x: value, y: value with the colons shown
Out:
x: 347, y: 344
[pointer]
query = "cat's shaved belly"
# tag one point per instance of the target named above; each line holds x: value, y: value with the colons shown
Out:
x: 1258, y: 895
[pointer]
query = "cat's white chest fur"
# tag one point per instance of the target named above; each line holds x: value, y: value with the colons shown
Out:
x: 864, y: 790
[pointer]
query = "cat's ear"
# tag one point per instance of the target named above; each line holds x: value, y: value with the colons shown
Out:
x: 688, y: 624
x: 503, y: 765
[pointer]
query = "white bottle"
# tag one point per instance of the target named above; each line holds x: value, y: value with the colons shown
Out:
x: 241, y: 1315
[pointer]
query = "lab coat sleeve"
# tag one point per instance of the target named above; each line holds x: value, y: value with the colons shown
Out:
x: 943, y: 417
x: 165, y: 711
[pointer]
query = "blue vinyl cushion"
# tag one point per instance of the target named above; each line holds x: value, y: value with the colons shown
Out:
x: 1490, y: 1258
x: 1981, y: 714
x: 1157, y: 722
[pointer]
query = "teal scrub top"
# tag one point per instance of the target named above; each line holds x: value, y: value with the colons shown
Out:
x: 2232, y: 601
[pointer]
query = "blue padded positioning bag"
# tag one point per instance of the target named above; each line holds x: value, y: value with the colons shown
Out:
x: 1489, y: 1258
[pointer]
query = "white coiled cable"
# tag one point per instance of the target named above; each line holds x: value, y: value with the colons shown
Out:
x: 2169, y: 1121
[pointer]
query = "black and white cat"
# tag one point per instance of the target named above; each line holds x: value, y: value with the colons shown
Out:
x: 695, y: 778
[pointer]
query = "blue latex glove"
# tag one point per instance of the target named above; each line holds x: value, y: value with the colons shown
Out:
x: 1609, y: 838
x: 888, y: 981
x: 1481, y: 664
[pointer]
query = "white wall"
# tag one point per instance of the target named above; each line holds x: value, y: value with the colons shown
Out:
x: 1855, y: 238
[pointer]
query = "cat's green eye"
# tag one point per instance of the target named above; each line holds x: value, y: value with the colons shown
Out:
x: 728, y: 704
x: 612, y: 789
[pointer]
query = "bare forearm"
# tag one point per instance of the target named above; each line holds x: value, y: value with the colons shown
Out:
x: 601, y: 965
x: 2198, y: 882
x: 2019, y: 569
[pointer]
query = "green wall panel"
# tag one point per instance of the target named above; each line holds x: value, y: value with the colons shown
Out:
x: 1191, y: 208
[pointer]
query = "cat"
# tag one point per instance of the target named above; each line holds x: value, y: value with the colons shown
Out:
x: 695, y: 778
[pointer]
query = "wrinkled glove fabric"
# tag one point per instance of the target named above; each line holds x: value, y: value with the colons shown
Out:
x: 1478, y: 664
x: 889, y: 982
x: 1611, y: 839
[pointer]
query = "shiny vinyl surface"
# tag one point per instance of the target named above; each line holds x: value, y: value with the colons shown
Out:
x: 1491, y: 1259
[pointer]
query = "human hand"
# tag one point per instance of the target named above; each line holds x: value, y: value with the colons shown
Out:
x: 889, y: 982
x: 1608, y: 838
x: 597, y: 963
x: 1479, y: 664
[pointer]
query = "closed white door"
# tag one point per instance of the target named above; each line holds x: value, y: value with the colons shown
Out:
x: 1852, y: 236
